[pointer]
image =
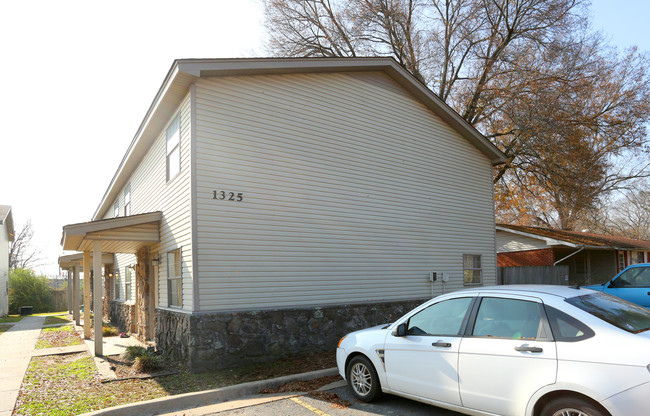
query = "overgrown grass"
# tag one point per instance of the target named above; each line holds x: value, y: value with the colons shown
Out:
x: 10, y: 318
x: 69, y: 385
x: 63, y: 336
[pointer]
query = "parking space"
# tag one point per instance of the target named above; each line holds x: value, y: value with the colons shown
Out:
x: 310, y: 406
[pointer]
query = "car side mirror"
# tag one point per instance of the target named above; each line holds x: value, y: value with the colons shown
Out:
x: 400, y: 331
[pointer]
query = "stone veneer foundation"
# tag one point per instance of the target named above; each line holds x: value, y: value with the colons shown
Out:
x: 207, y: 341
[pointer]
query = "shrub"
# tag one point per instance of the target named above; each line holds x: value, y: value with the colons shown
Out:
x: 147, y: 362
x: 27, y: 289
x: 132, y: 352
x: 109, y: 330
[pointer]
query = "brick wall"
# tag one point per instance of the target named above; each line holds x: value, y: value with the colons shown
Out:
x: 543, y: 257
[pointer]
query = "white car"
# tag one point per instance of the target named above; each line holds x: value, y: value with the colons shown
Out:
x: 509, y: 350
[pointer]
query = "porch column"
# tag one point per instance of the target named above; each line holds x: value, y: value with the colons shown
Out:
x: 97, y: 297
x: 69, y: 270
x: 75, y: 295
x: 87, y: 268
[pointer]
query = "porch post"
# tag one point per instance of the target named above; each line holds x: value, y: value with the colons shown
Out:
x: 69, y: 270
x: 98, y: 303
x: 87, y: 268
x: 75, y: 295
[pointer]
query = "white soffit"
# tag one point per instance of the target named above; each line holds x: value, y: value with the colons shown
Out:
x: 118, y: 235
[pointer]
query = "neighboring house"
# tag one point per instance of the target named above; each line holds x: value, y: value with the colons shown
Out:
x: 268, y: 206
x: 592, y: 258
x: 6, y: 236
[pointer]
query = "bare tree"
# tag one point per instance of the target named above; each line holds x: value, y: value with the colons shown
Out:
x: 529, y: 74
x: 22, y: 254
x: 630, y: 216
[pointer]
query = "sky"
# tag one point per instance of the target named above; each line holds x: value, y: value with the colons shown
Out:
x: 77, y: 77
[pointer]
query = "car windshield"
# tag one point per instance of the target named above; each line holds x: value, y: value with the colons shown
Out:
x: 618, y: 312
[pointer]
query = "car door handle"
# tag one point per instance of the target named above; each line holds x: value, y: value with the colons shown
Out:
x: 528, y: 349
x: 441, y: 344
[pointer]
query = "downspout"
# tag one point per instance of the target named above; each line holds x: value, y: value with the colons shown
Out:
x: 575, y: 252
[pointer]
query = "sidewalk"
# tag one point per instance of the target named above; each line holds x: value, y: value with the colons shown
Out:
x: 16, y: 349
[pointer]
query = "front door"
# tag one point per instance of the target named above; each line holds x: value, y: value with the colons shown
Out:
x: 508, y: 356
x: 424, y: 362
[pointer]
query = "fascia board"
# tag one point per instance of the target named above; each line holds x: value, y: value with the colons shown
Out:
x: 138, y: 146
x: 547, y: 240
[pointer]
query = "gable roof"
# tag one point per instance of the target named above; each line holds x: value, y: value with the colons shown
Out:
x: 576, y: 238
x: 6, y: 219
x: 185, y: 71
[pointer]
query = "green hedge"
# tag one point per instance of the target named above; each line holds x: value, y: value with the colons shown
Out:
x: 27, y: 289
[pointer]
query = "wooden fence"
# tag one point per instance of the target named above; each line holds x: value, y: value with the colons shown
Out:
x: 546, y: 275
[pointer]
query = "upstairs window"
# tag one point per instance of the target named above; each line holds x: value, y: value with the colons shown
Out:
x: 116, y: 209
x: 173, y: 135
x: 472, y: 269
x: 127, y: 200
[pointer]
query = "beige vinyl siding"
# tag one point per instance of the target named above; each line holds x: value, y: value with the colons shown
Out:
x: 509, y: 242
x: 353, y: 192
x: 4, y: 268
x: 151, y: 192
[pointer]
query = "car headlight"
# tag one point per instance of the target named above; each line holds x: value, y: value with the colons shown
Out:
x: 341, y: 340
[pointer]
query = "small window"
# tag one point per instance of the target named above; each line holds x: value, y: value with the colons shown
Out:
x: 472, y: 269
x: 174, y: 278
x: 116, y: 209
x: 127, y: 200
x: 636, y: 257
x: 508, y: 318
x: 127, y: 283
x: 116, y: 293
x: 444, y: 318
x: 173, y: 136
x: 621, y: 260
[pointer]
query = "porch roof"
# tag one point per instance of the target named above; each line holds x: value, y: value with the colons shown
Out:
x: 118, y: 235
x: 77, y: 259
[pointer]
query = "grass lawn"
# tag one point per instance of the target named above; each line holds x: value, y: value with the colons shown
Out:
x: 69, y: 384
x: 56, y: 319
x: 63, y: 336
x: 3, y: 328
x: 10, y: 318
x: 49, y: 313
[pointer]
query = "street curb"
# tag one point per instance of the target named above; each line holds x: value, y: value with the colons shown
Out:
x: 207, y: 397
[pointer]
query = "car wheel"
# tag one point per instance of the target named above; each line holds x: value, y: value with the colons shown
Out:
x: 363, y: 379
x: 572, y: 406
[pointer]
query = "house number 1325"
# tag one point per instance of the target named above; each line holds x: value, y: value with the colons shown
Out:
x: 228, y: 196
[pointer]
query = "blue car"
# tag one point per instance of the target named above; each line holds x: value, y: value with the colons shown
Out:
x: 632, y: 284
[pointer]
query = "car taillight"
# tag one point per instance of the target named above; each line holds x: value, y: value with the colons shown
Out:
x: 341, y: 340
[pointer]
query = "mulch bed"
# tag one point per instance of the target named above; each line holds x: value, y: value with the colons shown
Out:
x: 58, y: 337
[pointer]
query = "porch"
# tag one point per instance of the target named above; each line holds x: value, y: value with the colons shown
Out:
x: 97, y: 242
